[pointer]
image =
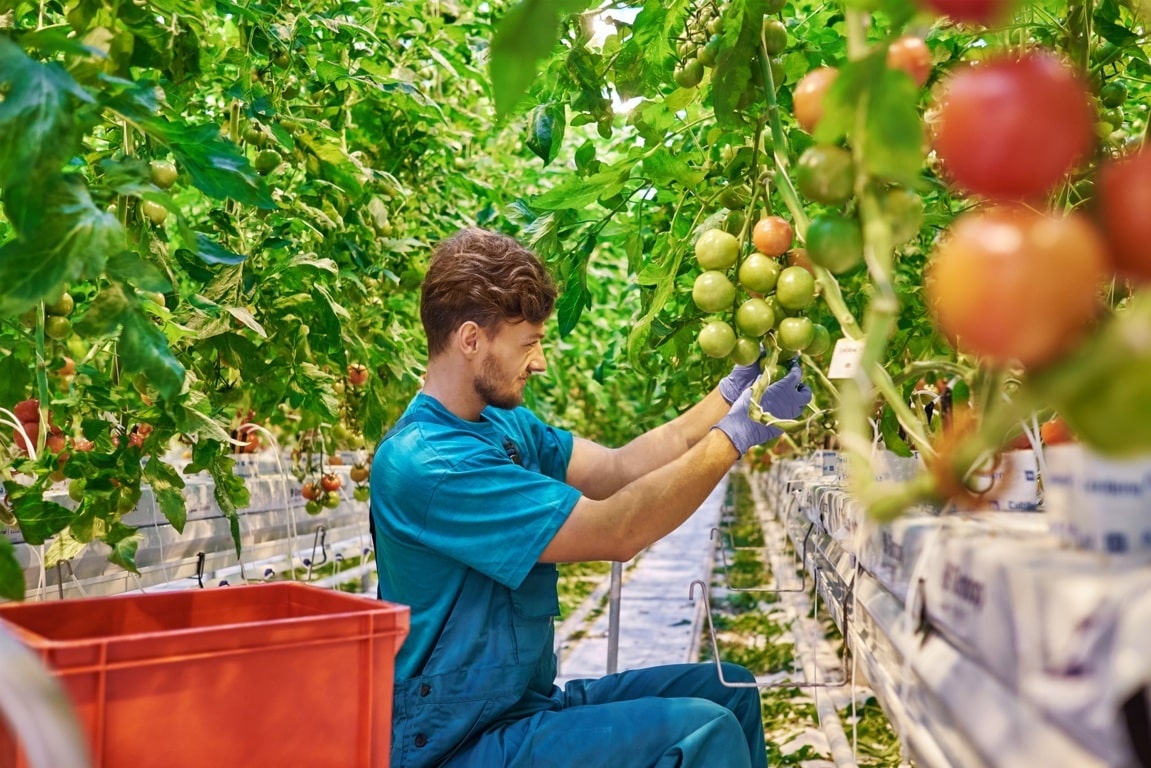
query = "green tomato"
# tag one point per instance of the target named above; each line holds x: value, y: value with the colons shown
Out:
x: 795, y: 334
x: 690, y: 74
x: 746, y: 351
x: 774, y: 36
x: 904, y: 212
x: 825, y: 174
x: 754, y: 318
x: 61, y: 307
x: 716, y: 249
x: 820, y: 342
x: 713, y: 292
x: 313, y: 507
x: 758, y: 273
x: 1113, y: 93
x: 835, y: 242
x: 795, y: 288
x: 717, y: 339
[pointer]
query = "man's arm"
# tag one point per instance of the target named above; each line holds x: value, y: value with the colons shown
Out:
x: 598, y: 471
x: 643, y: 511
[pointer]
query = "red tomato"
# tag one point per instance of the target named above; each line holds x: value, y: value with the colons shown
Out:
x: 357, y: 375
x: 807, y: 98
x: 1124, y: 197
x: 1013, y: 126
x: 27, y: 410
x: 1015, y: 285
x: 310, y: 491
x: 330, y: 482
x: 911, y: 55
x: 772, y: 235
x: 1056, y: 431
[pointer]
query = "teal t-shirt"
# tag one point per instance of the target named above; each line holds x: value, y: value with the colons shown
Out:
x: 448, y: 495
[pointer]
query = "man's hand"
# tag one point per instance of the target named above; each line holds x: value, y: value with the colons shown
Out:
x: 783, y: 399
x: 740, y: 378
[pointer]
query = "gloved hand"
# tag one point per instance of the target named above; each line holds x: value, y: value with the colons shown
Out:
x: 740, y: 378
x: 783, y: 399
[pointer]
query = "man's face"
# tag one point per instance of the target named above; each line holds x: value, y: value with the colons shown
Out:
x: 512, y: 355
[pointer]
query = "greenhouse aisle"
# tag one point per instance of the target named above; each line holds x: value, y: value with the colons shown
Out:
x: 660, y: 623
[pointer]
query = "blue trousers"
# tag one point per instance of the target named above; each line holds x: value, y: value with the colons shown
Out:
x: 676, y: 715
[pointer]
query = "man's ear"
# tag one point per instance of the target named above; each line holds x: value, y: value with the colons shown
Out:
x: 468, y: 338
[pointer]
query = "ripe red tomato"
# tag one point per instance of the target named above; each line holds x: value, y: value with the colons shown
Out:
x: 1056, y: 431
x: 27, y: 410
x: 1013, y: 126
x: 772, y: 235
x: 330, y: 482
x: 33, y: 430
x: 911, y: 55
x: 1015, y: 285
x: 807, y: 98
x: 310, y: 491
x: 357, y: 374
x: 985, y: 12
x: 1124, y: 197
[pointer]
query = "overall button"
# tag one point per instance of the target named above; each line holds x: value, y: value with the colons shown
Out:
x: 421, y: 740
x: 425, y: 689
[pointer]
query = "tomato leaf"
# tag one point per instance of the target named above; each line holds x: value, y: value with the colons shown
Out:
x: 638, y: 68
x: 104, y: 314
x: 527, y: 33
x: 37, y: 116
x: 211, y: 252
x: 577, y: 193
x: 889, y: 428
x: 11, y: 575
x: 167, y: 486
x: 38, y: 519
x: 124, y: 541
x: 64, y: 237
x: 546, y: 130
x: 740, y: 51
x: 131, y: 267
x: 216, y: 167
x: 144, y: 348
x: 893, y: 149
x: 843, y: 99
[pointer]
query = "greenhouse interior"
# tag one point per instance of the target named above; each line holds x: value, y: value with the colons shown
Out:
x: 701, y: 383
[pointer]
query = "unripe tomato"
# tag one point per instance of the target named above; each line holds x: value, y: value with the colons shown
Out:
x: 795, y: 334
x: 797, y: 257
x: 825, y: 174
x: 835, y: 242
x: 361, y: 493
x: 1124, y: 188
x: 713, y: 292
x: 911, y: 55
x: 772, y: 235
x: 57, y: 327
x: 154, y: 212
x: 807, y: 98
x: 331, y: 499
x: 754, y: 318
x: 746, y: 351
x: 904, y: 212
x: 1013, y: 126
x: 162, y: 173
x: 795, y: 288
x: 690, y: 74
x: 820, y: 341
x: 1015, y: 285
x: 758, y: 273
x: 61, y: 307
x: 313, y: 507
x: 774, y: 36
x: 716, y: 249
x: 267, y: 160
x: 717, y: 339
x: 359, y: 473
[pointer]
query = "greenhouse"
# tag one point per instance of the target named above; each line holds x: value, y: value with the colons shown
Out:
x: 700, y: 383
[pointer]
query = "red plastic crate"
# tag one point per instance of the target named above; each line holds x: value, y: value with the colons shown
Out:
x: 274, y: 675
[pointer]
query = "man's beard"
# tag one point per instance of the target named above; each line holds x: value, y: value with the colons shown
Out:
x: 487, y: 383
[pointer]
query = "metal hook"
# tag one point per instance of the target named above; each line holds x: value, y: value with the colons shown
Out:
x: 200, y: 557
x: 60, y: 576
x: 727, y: 577
x: 321, y: 536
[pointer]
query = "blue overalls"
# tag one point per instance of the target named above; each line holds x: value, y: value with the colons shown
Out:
x: 487, y: 697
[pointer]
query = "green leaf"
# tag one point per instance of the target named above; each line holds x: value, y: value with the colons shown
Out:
x: 131, y: 267
x: 144, y: 348
x: 664, y: 280
x: 847, y: 94
x: 38, y: 519
x: 11, y: 575
x: 578, y: 193
x: 167, y: 486
x: 216, y: 167
x: 546, y: 126
x: 889, y: 428
x: 663, y: 168
x: 124, y: 541
x: 893, y: 149
x: 526, y: 34
x: 105, y: 314
x: 37, y: 116
x: 211, y: 252
x: 64, y: 237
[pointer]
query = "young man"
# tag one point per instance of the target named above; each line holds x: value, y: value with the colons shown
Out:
x: 474, y: 500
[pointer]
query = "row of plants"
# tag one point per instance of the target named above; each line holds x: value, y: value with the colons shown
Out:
x: 218, y: 215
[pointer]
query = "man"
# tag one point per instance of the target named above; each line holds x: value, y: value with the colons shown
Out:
x: 474, y: 500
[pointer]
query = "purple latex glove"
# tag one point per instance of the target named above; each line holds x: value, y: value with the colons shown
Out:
x: 783, y: 399
x: 740, y: 378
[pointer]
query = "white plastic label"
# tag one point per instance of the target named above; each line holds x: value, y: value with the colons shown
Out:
x: 845, y: 359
